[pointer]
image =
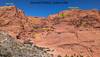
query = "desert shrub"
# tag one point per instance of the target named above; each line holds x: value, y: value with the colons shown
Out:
x: 12, y: 48
x: 81, y: 56
x: 61, y: 15
x: 66, y: 55
x: 59, y: 56
x: 74, y: 55
x: 71, y: 56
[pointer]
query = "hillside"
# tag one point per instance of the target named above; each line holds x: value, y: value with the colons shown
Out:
x: 73, y: 32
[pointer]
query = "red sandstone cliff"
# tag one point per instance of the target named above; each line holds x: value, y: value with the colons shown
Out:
x: 68, y: 32
x: 13, y: 21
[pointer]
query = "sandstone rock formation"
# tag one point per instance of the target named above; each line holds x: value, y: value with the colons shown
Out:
x: 73, y: 32
x: 13, y: 21
x: 70, y: 32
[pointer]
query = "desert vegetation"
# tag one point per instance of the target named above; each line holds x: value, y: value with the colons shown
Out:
x: 71, y: 55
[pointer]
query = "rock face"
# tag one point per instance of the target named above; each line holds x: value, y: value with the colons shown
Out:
x: 70, y: 32
x: 73, y: 32
x: 13, y: 21
x: 9, y: 47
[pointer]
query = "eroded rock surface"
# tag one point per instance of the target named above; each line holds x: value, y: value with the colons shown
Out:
x: 73, y: 32
x: 13, y: 21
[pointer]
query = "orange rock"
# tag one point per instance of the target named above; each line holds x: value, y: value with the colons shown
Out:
x: 77, y: 32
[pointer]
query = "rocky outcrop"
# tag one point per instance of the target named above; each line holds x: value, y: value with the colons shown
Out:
x: 13, y: 21
x: 73, y: 32
x: 78, y: 18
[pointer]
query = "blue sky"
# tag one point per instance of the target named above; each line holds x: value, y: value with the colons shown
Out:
x: 48, y: 9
